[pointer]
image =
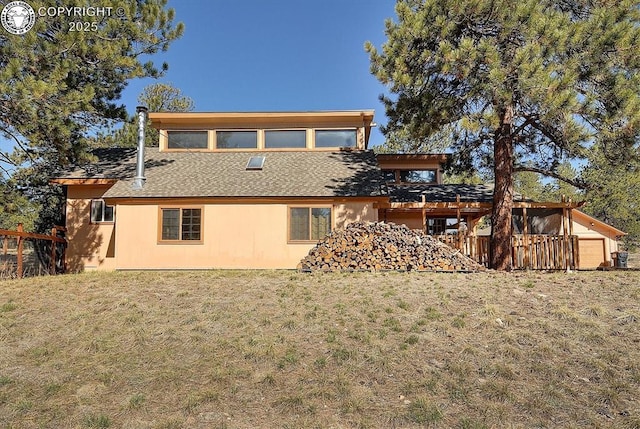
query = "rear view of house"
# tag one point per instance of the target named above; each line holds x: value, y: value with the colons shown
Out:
x: 259, y: 190
x: 224, y: 190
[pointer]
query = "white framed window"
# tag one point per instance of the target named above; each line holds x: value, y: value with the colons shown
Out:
x: 101, y: 212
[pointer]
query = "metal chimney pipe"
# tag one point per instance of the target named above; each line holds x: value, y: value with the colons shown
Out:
x: 138, y: 181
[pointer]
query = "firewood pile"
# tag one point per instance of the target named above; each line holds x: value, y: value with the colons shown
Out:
x: 376, y: 246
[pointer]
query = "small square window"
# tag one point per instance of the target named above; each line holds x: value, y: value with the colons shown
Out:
x: 101, y: 212
x: 255, y: 163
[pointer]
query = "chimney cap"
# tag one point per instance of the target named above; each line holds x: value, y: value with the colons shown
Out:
x: 142, y: 109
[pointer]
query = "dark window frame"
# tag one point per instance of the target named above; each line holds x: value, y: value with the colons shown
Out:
x: 310, y: 227
x: 186, y: 234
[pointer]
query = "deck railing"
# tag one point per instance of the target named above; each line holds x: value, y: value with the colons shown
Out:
x: 530, y: 252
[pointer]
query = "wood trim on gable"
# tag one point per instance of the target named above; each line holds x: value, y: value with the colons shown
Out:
x: 82, y: 181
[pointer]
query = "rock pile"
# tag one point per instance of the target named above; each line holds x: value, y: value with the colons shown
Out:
x: 375, y: 246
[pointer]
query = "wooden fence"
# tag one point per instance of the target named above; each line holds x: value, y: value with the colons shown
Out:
x: 47, y: 252
x: 530, y: 252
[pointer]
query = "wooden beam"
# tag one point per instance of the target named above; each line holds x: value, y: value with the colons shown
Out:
x: 20, y: 251
x: 458, y: 220
x: 20, y: 233
x: 82, y: 181
x: 525, y: 237
x: 452, y: 205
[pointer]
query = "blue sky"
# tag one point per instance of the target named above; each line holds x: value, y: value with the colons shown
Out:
x: 275, y: 55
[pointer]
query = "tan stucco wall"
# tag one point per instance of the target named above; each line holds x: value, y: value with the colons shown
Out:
x: 90, y: 246
x: 234, y: 236
x: 585, y: 231
x: 411, y: 219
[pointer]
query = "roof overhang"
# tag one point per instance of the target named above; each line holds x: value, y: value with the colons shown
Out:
x: 411, y: 158
x: 82, y: 181
x: 589, y: 220
x: 165, y: 120
x: 473, y: 206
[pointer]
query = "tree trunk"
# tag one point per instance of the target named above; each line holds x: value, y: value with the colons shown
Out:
x: 501, y: 230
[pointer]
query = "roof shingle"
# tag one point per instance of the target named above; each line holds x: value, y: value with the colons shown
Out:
x: 224, y: 174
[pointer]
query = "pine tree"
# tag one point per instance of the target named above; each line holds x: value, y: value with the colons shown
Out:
x: 59, y: 86
x: 157, y: 97
x: 517, y: 86
x: 613, y: 195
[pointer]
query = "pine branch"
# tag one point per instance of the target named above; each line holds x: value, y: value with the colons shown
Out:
x: 578, y: 183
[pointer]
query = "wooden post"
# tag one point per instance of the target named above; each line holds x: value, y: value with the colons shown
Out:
x: 5, y: 245
x: 565, y: 236
x: 20, y: 249
x: 525, y: 237
x: 52, y: 263
x: 570, y: 220
x: 424, y: 216
x: 459, y: 247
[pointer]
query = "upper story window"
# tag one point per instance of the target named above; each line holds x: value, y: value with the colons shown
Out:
x: 285, y: 139
x: 418, y: 176
x: 410, y: 176
x: 236, y: 139
x: 389, y: 175
x: 336, y: 138
x: 101, y: 212
x: 259, y: 139
x: 187, y: 139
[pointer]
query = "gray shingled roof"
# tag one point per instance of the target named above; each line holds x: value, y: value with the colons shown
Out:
x: 224, y: 174
x: 443, y: 193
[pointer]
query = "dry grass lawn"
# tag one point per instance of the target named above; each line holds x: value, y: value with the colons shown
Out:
x: 279, y: 349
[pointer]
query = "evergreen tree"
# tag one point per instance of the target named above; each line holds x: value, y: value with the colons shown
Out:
x: 58, y: 86
x: 613, y: 195
x: 157, y: 97
x: 520, y: 86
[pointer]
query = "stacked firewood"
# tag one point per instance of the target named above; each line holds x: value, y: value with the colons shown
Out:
x: 376, y: 246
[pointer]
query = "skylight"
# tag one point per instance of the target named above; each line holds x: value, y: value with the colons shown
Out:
x: 255, y: 163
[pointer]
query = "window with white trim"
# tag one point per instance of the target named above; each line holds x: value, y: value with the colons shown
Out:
x: 101, y: 212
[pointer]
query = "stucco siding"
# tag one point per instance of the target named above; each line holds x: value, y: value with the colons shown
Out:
x: 91, y: 246
x: 234, y: 236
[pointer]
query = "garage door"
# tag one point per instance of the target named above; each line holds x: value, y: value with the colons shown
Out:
x: 591, y: 252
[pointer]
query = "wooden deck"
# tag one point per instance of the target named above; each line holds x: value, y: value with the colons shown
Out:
x: 530, y: 252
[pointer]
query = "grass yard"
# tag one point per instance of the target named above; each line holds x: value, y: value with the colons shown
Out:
x: 278, y: 349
